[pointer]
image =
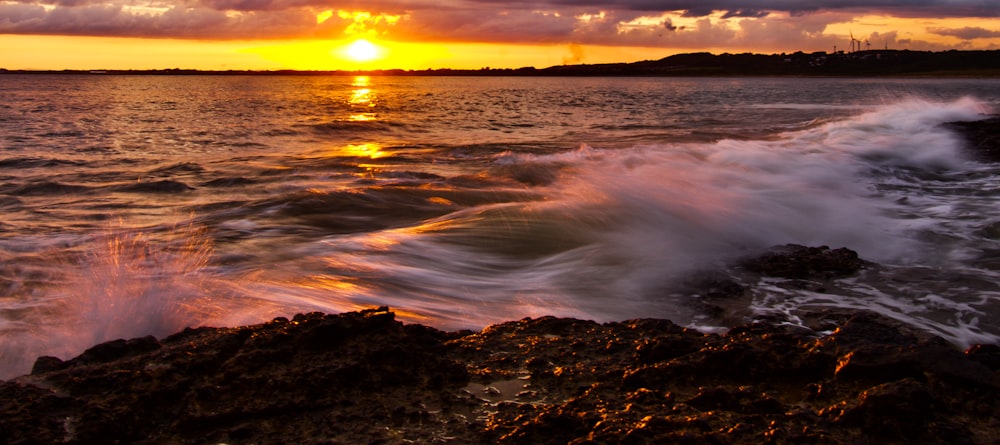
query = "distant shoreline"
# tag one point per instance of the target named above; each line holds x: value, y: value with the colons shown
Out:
x: 871, y: 63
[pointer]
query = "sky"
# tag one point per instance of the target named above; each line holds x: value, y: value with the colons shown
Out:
x: 464, y: 34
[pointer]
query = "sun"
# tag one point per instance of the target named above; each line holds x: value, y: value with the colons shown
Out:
x: 362, y: 51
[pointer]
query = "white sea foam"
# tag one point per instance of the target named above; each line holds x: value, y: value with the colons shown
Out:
x: 618, y: 227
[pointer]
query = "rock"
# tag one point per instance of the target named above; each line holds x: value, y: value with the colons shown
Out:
x: 363, y: 377
x: 895, y: 410
x: 801, y: 262
x: 988, y: 355
x: 117, y: 349
x: 982, y: 136
x: 46, y: 364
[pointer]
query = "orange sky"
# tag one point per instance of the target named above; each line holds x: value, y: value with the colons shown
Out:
x: 317, y: 34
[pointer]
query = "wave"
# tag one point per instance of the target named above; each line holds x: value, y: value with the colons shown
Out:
x: 236, y: 181
x: 180, y: 168
x: 9, y: 202
x: 616, y: 229
x: 602, y: 233
x: 165, y: 186
x: 30, y: 162
x: 353, y: 127
x: 44, y: 188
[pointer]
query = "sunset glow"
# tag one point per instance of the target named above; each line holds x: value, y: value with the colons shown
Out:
x: 111, y: 34
x: 362, y: 51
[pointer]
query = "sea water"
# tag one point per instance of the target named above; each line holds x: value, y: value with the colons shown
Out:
x: 138, y: 205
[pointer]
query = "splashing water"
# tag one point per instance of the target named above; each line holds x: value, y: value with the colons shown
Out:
x: 457, y: 220
x: 122, y: 285
x: 617, y: 228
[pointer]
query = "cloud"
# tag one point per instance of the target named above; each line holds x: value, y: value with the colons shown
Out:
x: 119, y: 20
x: 244, y: 5
x: 746, y: 13
x: 668, y: 24
x: 702, y: 8
x: 754, y: 25
x: 515, y: 26
x: 967, y: 33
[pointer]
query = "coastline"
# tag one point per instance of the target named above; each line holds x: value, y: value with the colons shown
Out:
x: 364, y: 377
x: 871, y: 63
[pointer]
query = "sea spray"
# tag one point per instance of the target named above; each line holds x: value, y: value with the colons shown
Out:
x: 479, y: 205
x: 616, y: 229
x: 123, y: 283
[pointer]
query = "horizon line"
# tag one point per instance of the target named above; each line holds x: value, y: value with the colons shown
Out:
x: 397, y: 71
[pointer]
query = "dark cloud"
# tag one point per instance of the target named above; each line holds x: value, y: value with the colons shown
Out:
x: 697, y: 12
x: 701, y: 8
x: 14, y: 13
x: 244, y: 5
x: 967, y: 33
x: 763, y: 24
x: 752, y: 13
x: 176, y: 22
x: 479, y: 26
x: 690, y: 8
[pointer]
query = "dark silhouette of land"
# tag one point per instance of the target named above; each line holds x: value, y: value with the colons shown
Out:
x: 860, y: 63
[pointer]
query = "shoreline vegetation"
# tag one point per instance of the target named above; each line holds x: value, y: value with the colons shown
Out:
x: 843, y: 377
x: 876, y: 63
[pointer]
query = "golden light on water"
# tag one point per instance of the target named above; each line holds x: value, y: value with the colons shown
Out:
x: 366, y: 150
x: 363, y: 98
x: 361, y: 81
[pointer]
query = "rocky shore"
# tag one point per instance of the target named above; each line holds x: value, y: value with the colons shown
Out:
x: 364, y: 377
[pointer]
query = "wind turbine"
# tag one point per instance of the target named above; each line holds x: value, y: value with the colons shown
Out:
x: 868, y: 44
x: 852, y: 41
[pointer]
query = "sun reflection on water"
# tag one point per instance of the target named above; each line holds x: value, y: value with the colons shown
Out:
x: 366, y: 150
x: 361, y: 81
x: 363, y: 99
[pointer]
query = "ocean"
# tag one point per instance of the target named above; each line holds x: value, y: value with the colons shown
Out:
x: 141, y: 205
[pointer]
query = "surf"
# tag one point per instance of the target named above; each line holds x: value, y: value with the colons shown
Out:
x: 461, y: 235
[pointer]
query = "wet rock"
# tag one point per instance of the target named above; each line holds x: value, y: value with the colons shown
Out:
x: 118, y: 349
x: 363, y: 377
x: 982, y: 136
x: 801, y: 262
x: 288, y: 381
x: 872, y: 347
x: 988, y: 355
x: 46, y: 364
x: 664, y: 348
x: 897, y: 410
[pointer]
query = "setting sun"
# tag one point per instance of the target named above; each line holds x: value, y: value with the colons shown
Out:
x: 362, y: 51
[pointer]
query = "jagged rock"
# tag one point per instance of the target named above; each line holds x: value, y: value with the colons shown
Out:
x: 364, y: 377
x: 801, y: 262
x: 116, y: 349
